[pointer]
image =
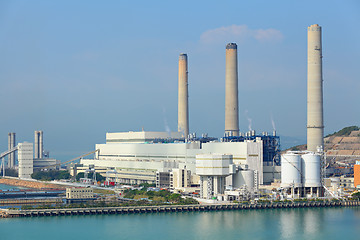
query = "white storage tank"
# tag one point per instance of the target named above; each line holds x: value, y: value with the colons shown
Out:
x: 290, y: 170
x: 311, y: 170
x: 244, y: 177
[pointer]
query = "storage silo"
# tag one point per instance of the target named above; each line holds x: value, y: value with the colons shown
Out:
x: 291, y: 170
x: 311, y: 175
x: 244, y: 177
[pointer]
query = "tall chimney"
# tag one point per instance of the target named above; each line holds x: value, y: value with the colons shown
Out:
x: 183, y: 107
x: 41, y: 144
x: 231, y: 91
x: 36, y: 145
x: 315, y: 123
x: 11, y: 144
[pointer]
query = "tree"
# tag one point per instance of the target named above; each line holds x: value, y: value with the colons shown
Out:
x: 51, y: 175
x: 99, y: 177
x: 10, y: 172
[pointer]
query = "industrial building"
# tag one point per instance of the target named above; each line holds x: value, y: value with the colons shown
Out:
x: 25, y: 158
x: 179, y: 179
x: 213, y: 170
x: 357, y: 174
x: 30, y: 156
x: 169, y: 159
x: 79, y: 194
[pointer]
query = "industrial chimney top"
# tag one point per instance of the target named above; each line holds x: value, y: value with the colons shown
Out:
x: 314, y: 27
x: 183, y: 56
x: 231, y: 46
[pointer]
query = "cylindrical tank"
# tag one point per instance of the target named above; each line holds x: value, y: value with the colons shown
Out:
x: 311, y: 170
x: 244, y: 177
x: 290, y: 170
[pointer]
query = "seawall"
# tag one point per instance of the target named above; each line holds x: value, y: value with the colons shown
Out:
x: 9, y: 213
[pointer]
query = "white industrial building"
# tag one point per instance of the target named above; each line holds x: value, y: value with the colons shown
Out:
x: 137, y: 157
x: 213, y: 170
x: 25, y: 158
x: 138, y: 154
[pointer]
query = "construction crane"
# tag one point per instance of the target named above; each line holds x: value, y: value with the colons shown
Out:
x: 72, y: 160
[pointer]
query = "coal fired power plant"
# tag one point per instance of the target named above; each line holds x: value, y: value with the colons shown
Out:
x: 156, y: 157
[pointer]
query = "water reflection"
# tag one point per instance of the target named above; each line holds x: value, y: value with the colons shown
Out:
x: 312, y: 223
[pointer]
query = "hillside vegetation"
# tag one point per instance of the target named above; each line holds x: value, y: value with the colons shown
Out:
x: 346, y: 131
x: 346, y: 139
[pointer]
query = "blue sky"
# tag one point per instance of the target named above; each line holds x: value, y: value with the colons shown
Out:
x: 79, y: 69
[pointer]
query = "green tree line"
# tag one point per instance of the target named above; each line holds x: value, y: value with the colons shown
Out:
x: 51, y: 175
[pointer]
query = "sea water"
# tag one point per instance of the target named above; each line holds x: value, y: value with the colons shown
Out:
x: 301, y: 223
x: 5, y: 187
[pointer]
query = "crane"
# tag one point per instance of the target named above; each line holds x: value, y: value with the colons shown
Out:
x: 72, y: 160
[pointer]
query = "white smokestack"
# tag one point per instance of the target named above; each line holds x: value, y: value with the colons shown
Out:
x: 183, y: 107
x: 315, y: 123
x: 38, y: 146
x: 231, y: 91
x: 11, y: 144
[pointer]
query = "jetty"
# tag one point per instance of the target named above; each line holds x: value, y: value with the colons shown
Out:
x: 11, y: 213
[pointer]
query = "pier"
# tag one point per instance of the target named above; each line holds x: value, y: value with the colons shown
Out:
x: 32, y: 193
x: 31, y: 201
x: 10, y: 213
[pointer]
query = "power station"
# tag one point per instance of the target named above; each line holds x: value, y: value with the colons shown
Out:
x: 29, y: 156
x: 226, y: 168
x: 139, y: 157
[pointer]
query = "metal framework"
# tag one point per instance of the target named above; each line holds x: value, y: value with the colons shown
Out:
x: 271, y: 147
x: 3, y: 155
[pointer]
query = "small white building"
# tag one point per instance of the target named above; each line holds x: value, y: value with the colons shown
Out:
x: 79, y: 193
x: 180, y: 178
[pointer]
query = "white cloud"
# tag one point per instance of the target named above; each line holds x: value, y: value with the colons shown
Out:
x: 239, y: 33
x: 268, y: 35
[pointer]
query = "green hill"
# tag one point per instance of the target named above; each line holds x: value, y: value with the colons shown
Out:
x: 346, y: 131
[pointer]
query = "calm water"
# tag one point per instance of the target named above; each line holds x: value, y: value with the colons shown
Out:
x: 325, y: 223
x: 8, y: 187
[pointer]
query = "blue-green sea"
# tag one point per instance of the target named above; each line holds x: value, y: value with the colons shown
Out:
x: 314, y: 223
x: 318, y: 223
